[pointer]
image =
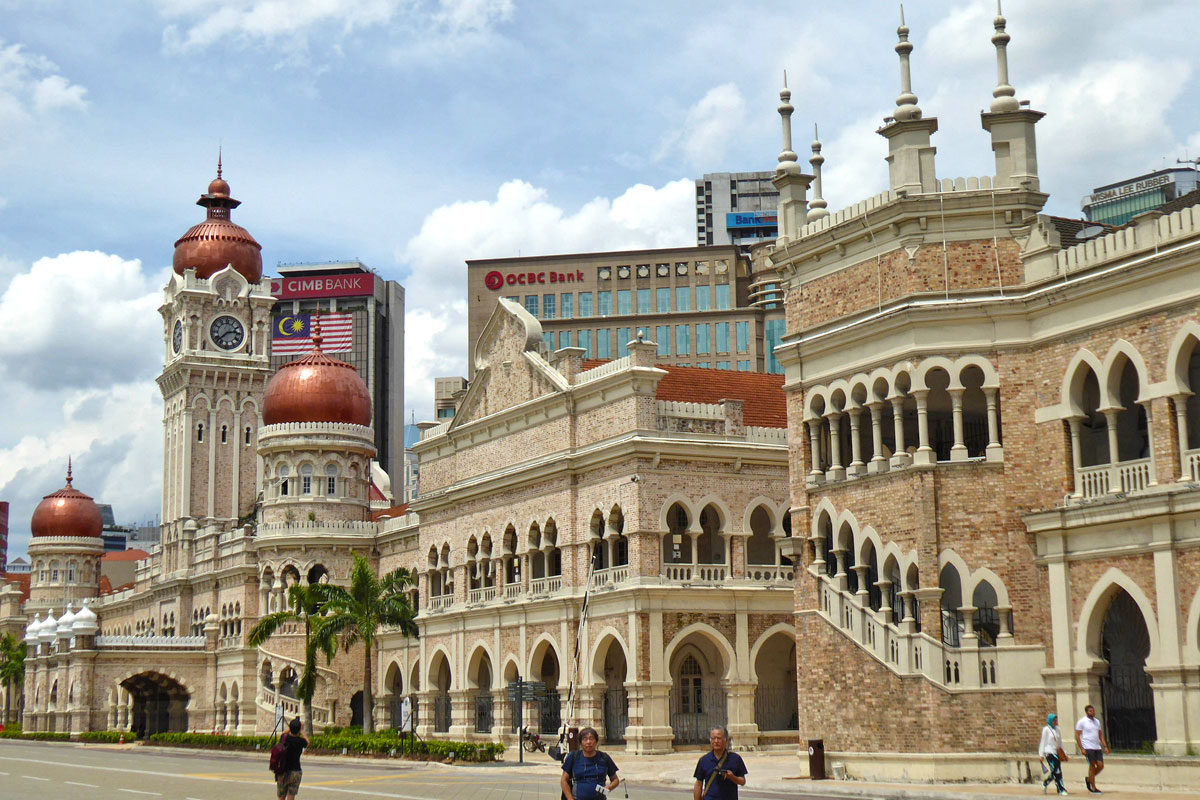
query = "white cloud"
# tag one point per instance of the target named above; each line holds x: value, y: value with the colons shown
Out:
x: 31, y: 87
x: 79, y: 320
x: 473, y: 15
x: 708, y: 129
x: 520, y: 221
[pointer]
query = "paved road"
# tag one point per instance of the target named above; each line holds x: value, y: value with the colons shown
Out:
x: 49, y: 771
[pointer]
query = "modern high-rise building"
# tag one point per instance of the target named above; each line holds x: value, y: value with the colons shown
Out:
x: 362, y: 321
x: 703, y: 306
x: 736, y: 208
x: 1117, y: 203
x: 3, y: 536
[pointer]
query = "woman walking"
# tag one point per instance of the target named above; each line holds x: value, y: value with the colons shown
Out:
x: 1051, y: 752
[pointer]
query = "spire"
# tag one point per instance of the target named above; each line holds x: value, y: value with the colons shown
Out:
x: 906, y: 102
x: 787, y: 157
x: 218, y: 161
x: 68, y: 470
x: 1004, y: 93
x: 316, y: 331
x: 816, y: 209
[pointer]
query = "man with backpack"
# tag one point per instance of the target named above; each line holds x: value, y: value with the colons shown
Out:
x: 588, y: 773
x: 285, y: 760
x: 720, y: 771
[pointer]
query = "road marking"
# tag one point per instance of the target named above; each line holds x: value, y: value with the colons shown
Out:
x: 34, y: 778
x: 136, y: 791
x: 89, y: 785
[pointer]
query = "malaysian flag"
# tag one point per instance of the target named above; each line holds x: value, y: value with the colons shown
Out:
x: 292, y: 334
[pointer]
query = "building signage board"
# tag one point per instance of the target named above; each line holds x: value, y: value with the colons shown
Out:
x: 751, y: 219
x: 300, y: 287
x: 1133, y: 187
x: 496, y: 280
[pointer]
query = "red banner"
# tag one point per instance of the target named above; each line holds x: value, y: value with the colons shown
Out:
x: 322, y: 286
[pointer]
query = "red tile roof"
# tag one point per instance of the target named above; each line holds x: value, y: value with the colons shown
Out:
x: 764, y: 403
x: 20, y: 579
x: 385, y: 513
x: 105, y: 585
x: 133, y: 554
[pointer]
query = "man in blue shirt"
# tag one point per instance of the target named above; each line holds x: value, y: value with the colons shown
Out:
x: 719, y: 772
x: 588, y: 773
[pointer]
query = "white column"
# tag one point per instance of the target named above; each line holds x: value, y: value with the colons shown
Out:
x: 836, y: 471
x: 1114, y: 475
x: 1181, y: 429
x: 924, y: 454
x: 815, y: 475
x: 878, y: 462
x: 856, y: 463
x: 1076, y: 455
x: 899, y: 458
x: 958, y: 452
x: 995, y: 452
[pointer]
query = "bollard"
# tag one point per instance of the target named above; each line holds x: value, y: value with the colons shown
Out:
x: 816, y: 759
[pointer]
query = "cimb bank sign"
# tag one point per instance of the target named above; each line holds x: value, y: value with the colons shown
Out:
x: 496, y: 280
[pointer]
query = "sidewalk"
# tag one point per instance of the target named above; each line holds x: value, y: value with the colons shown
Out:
x: 784, y: 773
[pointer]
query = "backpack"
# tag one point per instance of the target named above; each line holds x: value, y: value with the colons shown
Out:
x: 278, y: 762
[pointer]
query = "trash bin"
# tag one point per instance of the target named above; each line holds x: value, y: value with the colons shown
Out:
x: 816, y: 759
x: 572, y: 739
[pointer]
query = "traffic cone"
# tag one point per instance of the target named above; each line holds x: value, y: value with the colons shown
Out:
x: 122, y: 741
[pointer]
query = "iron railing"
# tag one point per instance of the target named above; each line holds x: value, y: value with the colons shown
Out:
x: 616, y: 715
x: 775, y: 708
x: 694, y: 716
x: 484, y: 712
x: 441, y: 713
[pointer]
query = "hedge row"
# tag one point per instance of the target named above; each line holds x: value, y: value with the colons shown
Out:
x: 44, y: 736
x: 383, y: 743
x: 104, y: 737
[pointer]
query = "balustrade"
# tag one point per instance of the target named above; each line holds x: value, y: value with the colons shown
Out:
x: 551, y: 585
x: 1192, y: 459
x: 441, y: 602
x: 1124, y: 477
x: 482, y: 595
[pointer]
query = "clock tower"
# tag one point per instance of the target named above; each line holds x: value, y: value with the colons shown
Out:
x: 216, y: 325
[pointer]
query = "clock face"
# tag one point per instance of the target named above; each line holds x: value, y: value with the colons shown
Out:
x: 177, y: 336
x: 643, y: 270
x: 605, y: 273
x: 663, y: 270
x: 226, y: 332
x: 623, y: 273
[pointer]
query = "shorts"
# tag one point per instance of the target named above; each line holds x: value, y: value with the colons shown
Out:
x: 288, y: 783
x: 1094, y: 756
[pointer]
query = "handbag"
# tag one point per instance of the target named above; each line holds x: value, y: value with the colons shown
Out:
x: 1062, y: 755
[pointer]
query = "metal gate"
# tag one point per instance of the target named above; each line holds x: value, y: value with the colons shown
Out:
x: 1127, y: 703
x: 775, y: 708
x: 549, y: 712
x: 695, y: 714
x: 616, y: 715
x: 484, y: 715
x: 441, y: 713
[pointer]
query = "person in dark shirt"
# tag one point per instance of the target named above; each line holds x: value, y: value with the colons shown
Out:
x: 287, y: 783
x: 719, y: 772
x: 588, y: 773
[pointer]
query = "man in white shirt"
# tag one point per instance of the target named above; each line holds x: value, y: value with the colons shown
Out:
x: 1089, y: 737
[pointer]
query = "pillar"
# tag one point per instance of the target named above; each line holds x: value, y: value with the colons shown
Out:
x: 1181, y: 430
x: 899, y: 458
x: 878, y: 462
x: 995, y: 452
x: 857, y: 467
x: 1076, y: 456
x: 958, y: 451
x: 836, y: 471
x: 815, y: 475
x: 924, y: 454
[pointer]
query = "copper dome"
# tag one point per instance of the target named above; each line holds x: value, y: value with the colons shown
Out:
x: 218, y: 242
x: 317, y: 388
x: 67, y: 512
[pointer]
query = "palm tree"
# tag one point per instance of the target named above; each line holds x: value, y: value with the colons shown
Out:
x: 354, y: 614
x: 12, y: 668
x: 305, y: 604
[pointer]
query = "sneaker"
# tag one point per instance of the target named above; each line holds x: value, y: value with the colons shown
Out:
x: 1063, y: 793
x: 1044, y: 787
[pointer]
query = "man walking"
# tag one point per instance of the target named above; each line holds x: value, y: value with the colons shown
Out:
x: 1089, y: 737
x: 719, y: 772
x: 287, y: 783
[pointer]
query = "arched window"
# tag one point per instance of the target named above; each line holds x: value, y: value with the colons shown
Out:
x: 283, y: 480
x: 247, y: 439
x: 224, y: 434
x: 952, y: 625
x: 331, y: 476
x: 200, y: 432
x: 306, y: 473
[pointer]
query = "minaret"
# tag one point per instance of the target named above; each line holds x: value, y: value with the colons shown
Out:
x: 910, y: 155
x: 816, y: 209
x: 1011, y: 126
x: 789, y: 179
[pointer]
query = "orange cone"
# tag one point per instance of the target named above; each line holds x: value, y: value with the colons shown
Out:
x: 122, y: 738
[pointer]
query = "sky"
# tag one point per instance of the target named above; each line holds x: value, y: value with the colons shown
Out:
x: 416, y: 134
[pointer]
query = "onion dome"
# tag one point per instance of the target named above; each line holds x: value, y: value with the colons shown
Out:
x: 85, y: 623
x: 49, y: 629
x: 317, y: 388
x: 67, y: 512
x: 218, y: 242
x: 64, y: 624
x: 31, y: 631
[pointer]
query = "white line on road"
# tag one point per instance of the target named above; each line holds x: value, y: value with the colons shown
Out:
x: 34, y: 778
x: 89, y: 785
x: 136, y: 791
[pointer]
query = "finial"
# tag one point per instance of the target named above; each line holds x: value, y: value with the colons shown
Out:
x: 906, y: 103
x: 1004, y: 93
x: 817, y: 208
x: 316, y: 330
x: 68, y: 470
x: 787, y: 157
x: 218, y: 161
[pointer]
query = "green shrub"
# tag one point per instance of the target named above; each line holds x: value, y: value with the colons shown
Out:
x: 105, y: 737
x: 382, y: 743
x: 43, y: 736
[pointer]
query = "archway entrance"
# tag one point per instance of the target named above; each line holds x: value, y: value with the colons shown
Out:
x: 159, y: 704
x: 775, y: 707
x: 1127, y: 701
x: 612, y: 670
x: 356, y: 710
x: 697, y: 696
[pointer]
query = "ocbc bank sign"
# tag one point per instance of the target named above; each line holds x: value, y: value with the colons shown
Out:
x: 496, y: 280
